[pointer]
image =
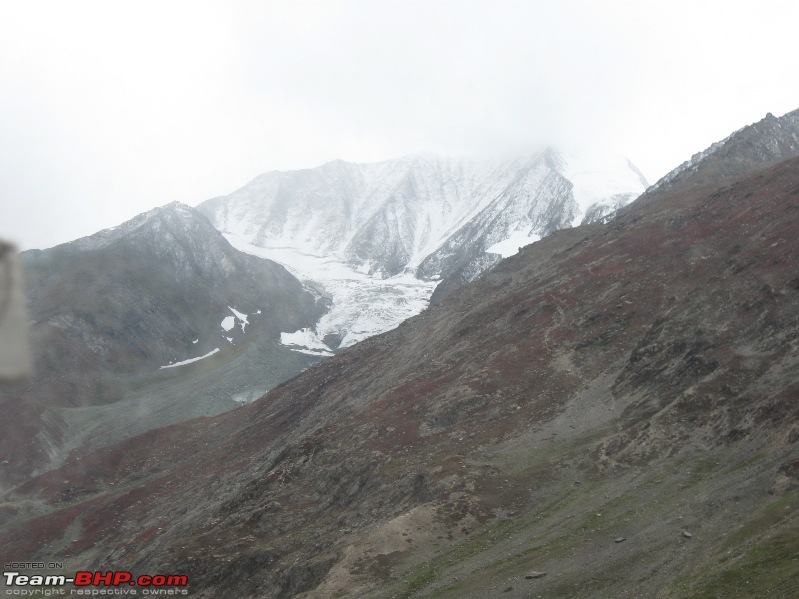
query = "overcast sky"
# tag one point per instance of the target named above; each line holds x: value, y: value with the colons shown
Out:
x: 108, y: 109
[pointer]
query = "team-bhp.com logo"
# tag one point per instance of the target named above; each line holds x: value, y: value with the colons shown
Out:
x: 87, y: 583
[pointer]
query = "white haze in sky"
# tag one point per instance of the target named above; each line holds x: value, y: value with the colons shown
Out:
x: 108, y: 109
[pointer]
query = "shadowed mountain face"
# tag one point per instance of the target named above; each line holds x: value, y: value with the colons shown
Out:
x: 108, y: 311
x: 610, y: 413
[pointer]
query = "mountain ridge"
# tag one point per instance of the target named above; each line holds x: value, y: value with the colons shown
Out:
x: 588, y: 409
x: 750, y: 148
x: 768, y: 141
x: 440, y: 195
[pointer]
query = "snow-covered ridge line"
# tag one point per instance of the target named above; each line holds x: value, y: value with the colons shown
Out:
x: 512, y: 244
x: 391, y: 216
x: 105, y: 237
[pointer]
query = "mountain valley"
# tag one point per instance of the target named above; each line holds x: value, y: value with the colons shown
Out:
x: 612, y: 411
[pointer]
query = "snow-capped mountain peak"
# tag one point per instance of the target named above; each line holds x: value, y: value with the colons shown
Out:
x: 392, y: 215
x: 356, y: 229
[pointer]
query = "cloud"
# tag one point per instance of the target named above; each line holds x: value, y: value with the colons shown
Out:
x: 108, y: 109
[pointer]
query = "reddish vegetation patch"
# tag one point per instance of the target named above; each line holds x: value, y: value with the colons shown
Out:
x: 41, y: 532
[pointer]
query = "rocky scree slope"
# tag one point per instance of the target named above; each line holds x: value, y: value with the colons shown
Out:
x: 108, y: 311
x: 610, y: 413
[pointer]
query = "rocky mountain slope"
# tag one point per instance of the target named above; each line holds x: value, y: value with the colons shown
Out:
x: 612, y: 412
x: 124, y: 313
x: 751, y: 148
x: 769, y: 141
x: 401, y: 225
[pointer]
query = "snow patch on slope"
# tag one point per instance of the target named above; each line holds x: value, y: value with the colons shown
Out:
x: 513, y: 244
x: 362, y: 305
x: 242, y: 318
x: 190, y: 360
x: 305, y: 341
x: 228, y: 322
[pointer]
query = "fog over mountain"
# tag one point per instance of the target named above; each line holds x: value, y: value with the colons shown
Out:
x: 97, y: 126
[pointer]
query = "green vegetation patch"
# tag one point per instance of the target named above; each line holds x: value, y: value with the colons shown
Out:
x: 758, y: 561
x: 769, y: 570
x: 419, y: 581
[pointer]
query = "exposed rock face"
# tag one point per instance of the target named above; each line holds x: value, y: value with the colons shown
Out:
x: 761, y: 144
x: 538, y: 201
x: 632, y: 380
x: 108, y: 311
